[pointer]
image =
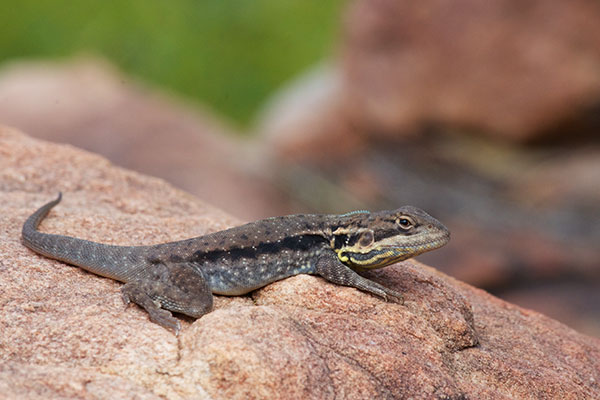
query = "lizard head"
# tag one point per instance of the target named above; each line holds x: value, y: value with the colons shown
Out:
x: 367, y: 240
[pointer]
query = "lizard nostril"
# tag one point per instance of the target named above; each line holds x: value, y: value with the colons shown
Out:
x: 430, y: 226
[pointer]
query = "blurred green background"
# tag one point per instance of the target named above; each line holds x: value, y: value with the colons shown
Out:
x: 229, y: 54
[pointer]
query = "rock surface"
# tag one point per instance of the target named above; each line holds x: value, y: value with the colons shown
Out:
x: 66, y: 334
x: 516, y: 70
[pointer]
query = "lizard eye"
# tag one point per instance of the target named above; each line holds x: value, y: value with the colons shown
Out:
x: 405, y: 223
x: 366, y: 239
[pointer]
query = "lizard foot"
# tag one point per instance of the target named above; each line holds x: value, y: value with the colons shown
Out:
x: 393, y: 296
x: 165, y: 319
x: 133, y: 292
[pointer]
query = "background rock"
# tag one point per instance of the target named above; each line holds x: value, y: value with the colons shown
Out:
x: 68, y: 333
x: 91, y: 105
x: 305, y: 119
x: 515, y: 70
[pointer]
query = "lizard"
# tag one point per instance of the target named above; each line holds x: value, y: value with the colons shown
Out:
x: 182, y: 276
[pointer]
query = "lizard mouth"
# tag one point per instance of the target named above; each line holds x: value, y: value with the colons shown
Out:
x: 388, y: 254
x: 419, y: 245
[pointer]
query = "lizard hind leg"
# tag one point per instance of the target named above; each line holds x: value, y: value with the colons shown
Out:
x: 177, y: 287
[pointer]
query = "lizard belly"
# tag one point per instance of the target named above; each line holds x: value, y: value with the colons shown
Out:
x: 244, y: 278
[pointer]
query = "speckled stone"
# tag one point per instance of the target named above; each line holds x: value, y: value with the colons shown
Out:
x: 65, y: 333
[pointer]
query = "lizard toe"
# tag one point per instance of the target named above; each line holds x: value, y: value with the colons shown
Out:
x: 165, y: 319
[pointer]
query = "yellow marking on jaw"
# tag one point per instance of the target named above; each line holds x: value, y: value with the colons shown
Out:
x: 340, y: 256
x: 392, y: 254
x: 373, y: 261
x: 377, y: 259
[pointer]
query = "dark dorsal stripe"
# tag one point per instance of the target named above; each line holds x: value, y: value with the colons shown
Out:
x: 302, y: 243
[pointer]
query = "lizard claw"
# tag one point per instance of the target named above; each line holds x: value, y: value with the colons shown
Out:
x: 393, y: 296
x: 126, y: 299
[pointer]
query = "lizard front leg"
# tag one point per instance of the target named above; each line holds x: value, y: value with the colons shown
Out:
x: 333, y: 270
x: 167, y: 287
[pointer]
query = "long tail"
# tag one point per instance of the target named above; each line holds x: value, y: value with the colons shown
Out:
x: 101, y: 259
x: 31, y: 224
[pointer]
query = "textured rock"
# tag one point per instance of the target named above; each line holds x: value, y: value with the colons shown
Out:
x: 66, y: 334
x: 519, y: 70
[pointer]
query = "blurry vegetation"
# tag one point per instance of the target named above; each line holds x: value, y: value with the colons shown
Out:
x: 228, y: 53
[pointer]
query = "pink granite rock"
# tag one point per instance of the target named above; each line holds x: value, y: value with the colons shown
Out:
x: 66, y: 334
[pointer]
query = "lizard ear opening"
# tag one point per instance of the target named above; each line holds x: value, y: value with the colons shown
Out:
x: 366, y: 238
